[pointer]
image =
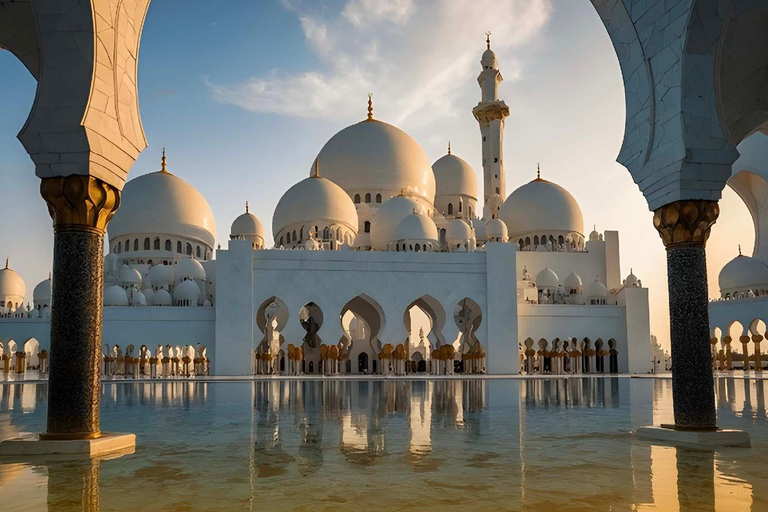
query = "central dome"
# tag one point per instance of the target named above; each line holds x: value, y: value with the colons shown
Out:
x: 376, y: 156
x: 541, y: 207
x: 163, y: 204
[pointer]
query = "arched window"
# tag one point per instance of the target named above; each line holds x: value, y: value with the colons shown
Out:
x: 470, y: 212
x: 197, y: 251
x: 301, y: 234
x: 119, y: 247
x: 357, y: 198
x: 417, y: 248
x: 527, y: 240
x: 317, y: 231
x: 189, y: 249
x: 281, y: 240
x: 136, y: 245
x: 367, y: 226
x: 378, y: 198
x: 536, y: 240
x: 326, y: 233
x: 368, y: 197
x: 156, y: 244
x: 497, y: 190
x: 338, y: 234
x: 450, y: 208
x: 459, y: 206
x: 146, y: 244
x: 425, y: 247
x: 167, y: 245
x: 293, y: 237
x: 560, y: 240
x: 521, y: 243
x: 178, y: 247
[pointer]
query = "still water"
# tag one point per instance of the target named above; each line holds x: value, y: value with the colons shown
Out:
x: 539, y: 445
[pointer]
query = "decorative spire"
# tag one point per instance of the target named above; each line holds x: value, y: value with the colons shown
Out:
x: 163, y: 163
x: 246, y: 207
x: 449, y: 147
x: 6, y: 260
x: 316, y: 169
x: 488, y: 39
x: 6, y: 263
x: 49, y: 276
x: 538, y: 171
x: 370, y: 106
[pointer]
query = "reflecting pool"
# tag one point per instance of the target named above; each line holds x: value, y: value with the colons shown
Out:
x: 533, y: 444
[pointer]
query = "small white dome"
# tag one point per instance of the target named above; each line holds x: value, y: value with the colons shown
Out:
x: 388, y: 217
x: 115, y: 296
x: 138, y: 299
x: 481, y: 232
x: 189, y: 268
x: 743, y: 273
x: 130, y: 276
x: 163, y: 298
x: 42, y: 292
x: 149, y: 296
x: 163, y: 204
x: 247, y: 225
x: 161, y: 275
x: 187, y: 291
x: 594, y: 236
x: 12, y: 286
x: 376, y: 156
x: 631, y: 280
x: 495, y: 228
x: 34, y: 314
x: 416, y: 226
x: 596, y: 290
x: 541, y: 206
x: 314, y: 200
x: 572, y: 282
x: 458, y: 230
x: 489, y: 59
x: 547, y: 279
x: 454, y: 176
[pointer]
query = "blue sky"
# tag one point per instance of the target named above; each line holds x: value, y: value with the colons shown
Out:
x: 244, y: 97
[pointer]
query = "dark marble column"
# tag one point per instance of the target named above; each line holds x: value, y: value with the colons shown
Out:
x: 684, y: 227
x: 81, y: 207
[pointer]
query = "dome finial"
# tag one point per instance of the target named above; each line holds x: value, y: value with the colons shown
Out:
x: 163, y: 163
x: 449, y: 147
x: 316, y: 169
x: 246, y: 207
x: 538, y: 171
x: 6, y: 264
x: 488, y: 39
x: 370, y: 106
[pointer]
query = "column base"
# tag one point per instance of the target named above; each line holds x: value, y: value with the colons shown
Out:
x: 107, y: 444
x: 696, y: 438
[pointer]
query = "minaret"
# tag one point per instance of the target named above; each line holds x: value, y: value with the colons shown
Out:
x: 490, y: 114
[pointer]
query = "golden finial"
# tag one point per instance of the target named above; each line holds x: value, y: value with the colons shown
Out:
x: 449, y: 147
x: 163, y: 163
x: 316, y: 169
x: 370, y: 106
x: 6, y: 263
x: 488, y: 39
x: 246, y: 207
x: 49, y: 276
x: 538, y: 171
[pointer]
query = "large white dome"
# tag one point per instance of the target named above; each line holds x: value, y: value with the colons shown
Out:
x: 541, y: 207
x: 12, y: 286
x: 388, y: 217
x: 376, y: 156
x: 454, y: 176
x: 164, y: 204
x: 743, y: 273
x: 314, y: 199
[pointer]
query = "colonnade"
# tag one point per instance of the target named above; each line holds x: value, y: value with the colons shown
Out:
x: 165, y: 362
x: 568, y: 356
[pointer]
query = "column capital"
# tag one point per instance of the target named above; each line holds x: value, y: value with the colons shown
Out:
x: 80, y: 203
x: 685, y: 222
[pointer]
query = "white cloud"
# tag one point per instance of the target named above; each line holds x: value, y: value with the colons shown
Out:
x: 411, y: 59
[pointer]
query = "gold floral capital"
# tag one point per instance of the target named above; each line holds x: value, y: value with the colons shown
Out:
x: 685, y: 222
x: 80, y: 202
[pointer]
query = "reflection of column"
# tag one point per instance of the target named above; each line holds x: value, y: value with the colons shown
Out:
x: 73, y: 486
x: 695, y: 480
x: 756, y: 339
x: 684, y: 228
x: 81, y: 207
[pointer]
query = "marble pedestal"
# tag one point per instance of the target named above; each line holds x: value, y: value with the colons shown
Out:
x: 694, y: 438
x: 32, y: 445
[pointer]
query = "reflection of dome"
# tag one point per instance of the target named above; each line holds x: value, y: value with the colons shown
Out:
x: 541, y: 206
x: 376, y: 156
x: 458, y: 230
x: 481, y: 233
x: 495, y: 228
x: 115, y: 296
x: 572, y: 282
x: 547, y: 279
x: 248, y: 227
x: 163, y: 298
x: 163, y: 204
x: 743, y: 273
x: 596, y: 289
x: 387, y: 219
x: 454, y: 176
x: 185, y: 293
x: 12, y: 286
x: 416, y: 226
x: 189, y: 268
x: 314, y: 200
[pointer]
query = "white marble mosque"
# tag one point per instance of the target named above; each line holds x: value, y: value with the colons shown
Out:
x: 380, y: 263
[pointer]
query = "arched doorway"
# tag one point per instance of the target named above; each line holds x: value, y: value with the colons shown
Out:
x: 362, y: 363
x: 362, y: 319
x: 271, y: 319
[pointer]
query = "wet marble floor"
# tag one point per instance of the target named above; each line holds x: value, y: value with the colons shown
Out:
x: 534, y: 444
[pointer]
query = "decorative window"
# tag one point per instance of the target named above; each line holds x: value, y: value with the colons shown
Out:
x: 378, y: 198
x: 189, y: 249
x: 460, y: 206
x: 357, y: 198
x: 450, y: 208
x: 119, y: 247
x: 197, y: 251
x: 146, y: 244
x: 178, y: 247
x: 367, y: 226
x: 136, y: 244
x: 156, y: 244
x: 167, y: 245
x: 368, y: 197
